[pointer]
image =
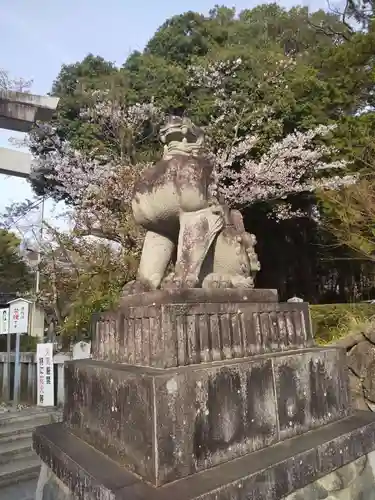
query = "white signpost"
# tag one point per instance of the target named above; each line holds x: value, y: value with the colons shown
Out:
x: 4, y: 321
x: 44, y: 353
x: 18, y: 324
x: 19, y: 316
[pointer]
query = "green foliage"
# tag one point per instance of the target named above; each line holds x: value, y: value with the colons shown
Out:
x: 100, y: 295
x: 15, y: 276
x: 90, y: 69
x: 153, y: 77
x: 181, y: 38
x: 333, y: 321
x: 71, y: 85
x: 28, y: 343
x: 78, y: 278
x: 349, y: 215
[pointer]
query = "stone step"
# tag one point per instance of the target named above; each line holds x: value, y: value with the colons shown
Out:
x: 10, y: 437
x: 25, y: 415
x: 17, y: 428
x: 15, y: 449
x: 21, y: 469
x: 18, y: 461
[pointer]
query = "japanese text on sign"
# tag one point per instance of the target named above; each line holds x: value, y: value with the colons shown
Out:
x: 19, y: 317
x: 4, y: 321
x: 45, y: 374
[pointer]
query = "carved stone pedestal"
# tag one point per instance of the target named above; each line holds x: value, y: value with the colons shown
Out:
x: 203, y: 394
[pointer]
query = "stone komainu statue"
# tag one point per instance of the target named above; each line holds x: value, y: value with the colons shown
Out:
x: 174, y: 202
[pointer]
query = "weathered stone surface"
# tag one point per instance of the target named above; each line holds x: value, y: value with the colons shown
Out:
x: 369, y: 332
x: 113, y: 408
x: 272, y: 473
x: 350, y: 340
x: 354, y: 481
x: 166, y: 424
x: 152, y: 330
x: 50, y: 487
x: 356, y: 393
x: 312, y: 389
x: 369, y: 382
x: 199, y: 296
x: 214, y: 415
x: 361, y: 360
x: 361, y: 357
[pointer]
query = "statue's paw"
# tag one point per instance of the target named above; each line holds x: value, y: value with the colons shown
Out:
x: 174, y: 282
x: 191, y: 281
x: 242, y: 282
x: 134, y: 287
x: 217, y: 281
x: 167, y: 283
x: 221, y: 282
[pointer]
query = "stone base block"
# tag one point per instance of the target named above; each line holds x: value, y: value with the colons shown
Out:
x: 167, y: 424
x: 163, y: 330
x: 271, y: 473
x: 355, y: 481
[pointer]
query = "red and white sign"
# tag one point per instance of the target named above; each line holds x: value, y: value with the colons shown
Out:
x: 44, y: 353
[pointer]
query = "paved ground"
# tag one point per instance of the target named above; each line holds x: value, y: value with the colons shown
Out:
x: 21, y: 491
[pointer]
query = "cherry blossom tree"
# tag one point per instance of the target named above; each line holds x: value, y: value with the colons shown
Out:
x: 79, y: 277
x: 291, y: 166
x: 99, y: 185
x: 247, y: 173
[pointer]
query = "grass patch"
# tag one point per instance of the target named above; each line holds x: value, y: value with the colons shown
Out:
x: 331, y: 322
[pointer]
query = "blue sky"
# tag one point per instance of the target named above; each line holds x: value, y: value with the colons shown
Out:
x: 41, y: 35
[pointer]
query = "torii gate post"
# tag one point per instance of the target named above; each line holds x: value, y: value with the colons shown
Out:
x: 19, y: 111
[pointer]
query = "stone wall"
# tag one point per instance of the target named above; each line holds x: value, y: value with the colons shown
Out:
x: 50, y: 487
x: 354, y: 481
x: 360, y: 347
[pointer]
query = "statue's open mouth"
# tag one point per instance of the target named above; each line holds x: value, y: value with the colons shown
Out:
x: 172, y: 134
x: 178, y: 133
